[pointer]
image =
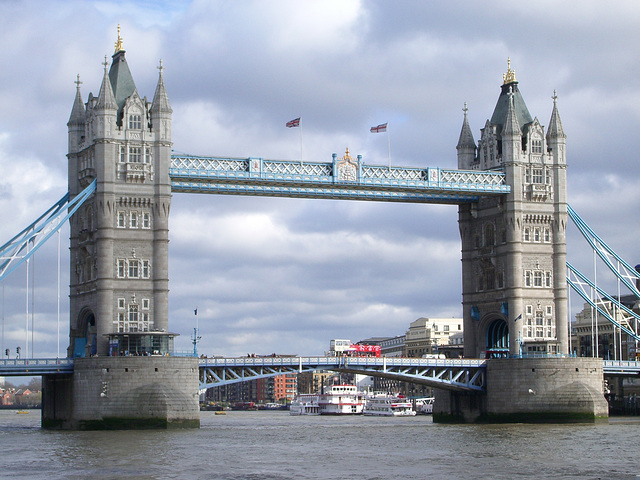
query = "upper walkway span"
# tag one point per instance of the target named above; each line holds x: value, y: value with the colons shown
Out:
x: 344, y: 178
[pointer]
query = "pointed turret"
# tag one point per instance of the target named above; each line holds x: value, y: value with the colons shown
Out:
x: 511, y: 132
x: 466, y: 144
x: 510, y: 85
x: 160, y: 98
x: 77, y: 111
x: 555, y: 125
x: 106, y: 99
x: 556, y: 138
x: 121, y: 80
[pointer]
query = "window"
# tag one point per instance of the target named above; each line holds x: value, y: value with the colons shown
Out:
x: 123, y: 154
x: 146, y: 220
x: 547, y: 279
x: 133, y: 268
x: 488, y: 235
x: 135, y: 154
x: 537, y: 279
x: 527, y: 175
x: 146, y: 271
x: 121, y: 271
x: 147, y: 155
x: 529, y: 309
x: 500, y: 280
x: 133, y: 219
x: 527, y: 278
x: 145, y: 304
x: 537, y: 175
x: 547, y: 235
x: 536, y: 235
x: 122, y: 220
x: 480, y: 283
x: 527, y: 234
x: 133, y: 315
x: 446, y: 328
x: 121, y: 303
x: 549, y: 310
x: 135, y: 121
x: 121, y: 322
x: 536, y: 146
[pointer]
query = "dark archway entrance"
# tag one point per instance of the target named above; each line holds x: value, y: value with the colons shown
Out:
x: 85, y: 344
x: 497, y: 339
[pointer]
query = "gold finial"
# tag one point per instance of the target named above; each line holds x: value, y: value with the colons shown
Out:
x: 346, y: 155
x: 510, y: 76
x: 119, y: 42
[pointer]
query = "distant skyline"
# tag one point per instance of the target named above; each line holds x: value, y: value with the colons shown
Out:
x: 283, y: 275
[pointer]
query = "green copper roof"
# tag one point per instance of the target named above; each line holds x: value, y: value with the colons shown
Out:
x: 499, y: 116
x: 121, y: 80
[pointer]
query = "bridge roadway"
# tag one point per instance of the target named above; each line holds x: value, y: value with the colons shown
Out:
x: 451, y: 374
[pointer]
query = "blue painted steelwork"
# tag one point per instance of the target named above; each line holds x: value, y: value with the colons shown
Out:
x: 607, y: 305
x: 21, y: 247
x: 577, y: 281
x: 621, y: 367
x: 465, y: 375
x: 344, y: 178
x: 35, y: 366
x: 629, y: 275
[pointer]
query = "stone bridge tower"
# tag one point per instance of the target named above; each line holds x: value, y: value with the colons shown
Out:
x: 513, y: 247
x: 119, y: 238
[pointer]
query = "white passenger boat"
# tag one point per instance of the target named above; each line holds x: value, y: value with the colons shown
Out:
x: 388, y: 406
x: 305, y: 404
x: 341, y: 400
x: 424, y: 405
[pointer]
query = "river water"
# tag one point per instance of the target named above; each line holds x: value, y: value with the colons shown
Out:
x: 270, y: 445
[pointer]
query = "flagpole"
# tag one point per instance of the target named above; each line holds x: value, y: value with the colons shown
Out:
x: 389, y: 144
x: 300, y: 141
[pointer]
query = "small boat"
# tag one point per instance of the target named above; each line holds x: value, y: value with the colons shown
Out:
x: 424, y: 405
x: 305, y: 404
x: 388, y: 406
x: 219, y: 412
x: 22, y: 412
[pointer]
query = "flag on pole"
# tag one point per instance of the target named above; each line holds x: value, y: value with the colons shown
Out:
x: 380, y: 128
x: 195, y: 312
x: 294, y: 123
x: 518, y: 318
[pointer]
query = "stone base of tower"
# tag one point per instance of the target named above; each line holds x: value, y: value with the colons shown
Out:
x: 123, y: 393
x: 530, y: 390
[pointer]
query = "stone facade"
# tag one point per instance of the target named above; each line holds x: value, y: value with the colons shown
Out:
x: 513, y: 246
x: 530, y: 390
x: 124, y: 393
x: 119, y: 279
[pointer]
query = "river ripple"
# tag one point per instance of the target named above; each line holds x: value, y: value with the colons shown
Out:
x: 273, y: 446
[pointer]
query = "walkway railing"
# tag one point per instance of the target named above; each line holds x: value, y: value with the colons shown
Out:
x: 340, y: 179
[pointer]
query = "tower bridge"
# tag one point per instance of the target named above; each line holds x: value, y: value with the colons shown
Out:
x: 510, y: 188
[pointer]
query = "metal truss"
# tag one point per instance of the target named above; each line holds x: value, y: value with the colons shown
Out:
x: 340, y: 179
x: 606, y: 305
x: 35, y: 366
x: 625, y: 272
x: 609, y: 307
x: 21, y: 247
x: 463, y: 375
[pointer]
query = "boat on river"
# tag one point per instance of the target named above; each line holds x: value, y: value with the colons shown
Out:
x: 341, y: 400
x: 388, y: 406
x: 424, y: 405
x: 305, y: 404
x: 334, y: 400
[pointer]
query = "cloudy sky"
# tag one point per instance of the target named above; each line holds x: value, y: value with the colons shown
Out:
x: 282, y: 275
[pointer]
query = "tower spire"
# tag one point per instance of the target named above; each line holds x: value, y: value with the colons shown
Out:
x: 119, y: 46
x: 105, y: 97
x: 77, y: 111
x: 555, y: 125
x: 160, y: 98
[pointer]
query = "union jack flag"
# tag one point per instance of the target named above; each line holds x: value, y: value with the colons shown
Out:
x: 294, y: 123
